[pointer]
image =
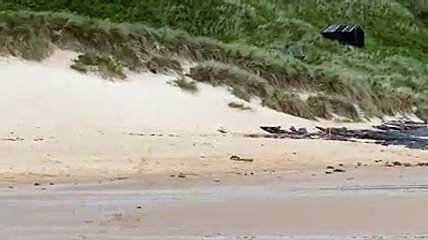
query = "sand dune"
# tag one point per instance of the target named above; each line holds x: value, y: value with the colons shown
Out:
x: 56, y: 98
x: 57, y: 122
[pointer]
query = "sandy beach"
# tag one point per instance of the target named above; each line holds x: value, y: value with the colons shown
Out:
x: 373, y: 204
x: 93, y: 159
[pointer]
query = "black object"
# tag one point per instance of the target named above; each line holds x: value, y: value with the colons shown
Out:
x: 296, y: 53
x: 405, y: 133
x: 346, y: 34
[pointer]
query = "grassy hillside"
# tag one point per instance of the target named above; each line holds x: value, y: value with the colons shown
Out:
x: 234, y: 42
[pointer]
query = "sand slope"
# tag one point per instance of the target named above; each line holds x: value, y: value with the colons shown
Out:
x: 57, y: 122
x: 56, y: 98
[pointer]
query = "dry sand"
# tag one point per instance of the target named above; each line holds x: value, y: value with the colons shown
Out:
x: 61, y: 126
x: 58, y: 123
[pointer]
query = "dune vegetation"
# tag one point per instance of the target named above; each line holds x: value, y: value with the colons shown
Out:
x: 235, y: 43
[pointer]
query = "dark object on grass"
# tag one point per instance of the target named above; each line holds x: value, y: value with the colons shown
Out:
x: 296, y: 53
x: 346, y: 34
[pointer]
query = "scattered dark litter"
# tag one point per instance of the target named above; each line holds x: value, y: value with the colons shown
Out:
x: 16, y: 139
x: 397, y: 163
x: 239, y: 159
x: 331, y: 169
x: 339, y: 170
x: 406, y: 164
x: 181, y: 175
x: 410, y: 134
x: 151, y: 134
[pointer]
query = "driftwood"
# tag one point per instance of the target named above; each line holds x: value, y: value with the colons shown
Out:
x: 406, y: 133
x: 239, y: 159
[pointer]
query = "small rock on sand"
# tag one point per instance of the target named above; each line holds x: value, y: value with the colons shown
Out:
x: 181, y: 175
x: 397, y: 163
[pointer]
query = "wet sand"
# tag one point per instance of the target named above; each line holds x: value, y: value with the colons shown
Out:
x: 389, y: 203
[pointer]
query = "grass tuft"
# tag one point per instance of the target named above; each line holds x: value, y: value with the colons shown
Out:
x: 324, y: 107
x: 186, y: 85
x: 107, y: 66
x: 163, y: 64
x: 239, y: 106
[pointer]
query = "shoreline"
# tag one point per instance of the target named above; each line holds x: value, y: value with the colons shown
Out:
x: 387, y: 204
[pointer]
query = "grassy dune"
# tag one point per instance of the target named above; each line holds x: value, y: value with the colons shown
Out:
x: 234, y: 44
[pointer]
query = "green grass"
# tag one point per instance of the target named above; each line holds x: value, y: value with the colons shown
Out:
x: 234, y: 42
x: 163, y: 64
x: 325, y: 106
x: 107, y: 66
x: 186, y: 85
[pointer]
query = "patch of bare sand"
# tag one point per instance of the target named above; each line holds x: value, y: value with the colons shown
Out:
x: 59, y: 123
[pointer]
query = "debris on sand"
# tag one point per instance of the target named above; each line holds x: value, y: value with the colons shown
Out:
x: 239, y: 159
x: 339, y: 170
x: 181, y: 175
x: 223, y: 130
x: 406, y: 133
x: 16, y: 139
x: 406, y: 164
x: 397, y: 163
x: 331, y: 169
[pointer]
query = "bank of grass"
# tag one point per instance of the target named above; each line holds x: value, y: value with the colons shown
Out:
x: 249, y: 70
x: 158, y: 63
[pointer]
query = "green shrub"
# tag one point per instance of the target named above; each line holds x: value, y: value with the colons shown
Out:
x: 107, y: 66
